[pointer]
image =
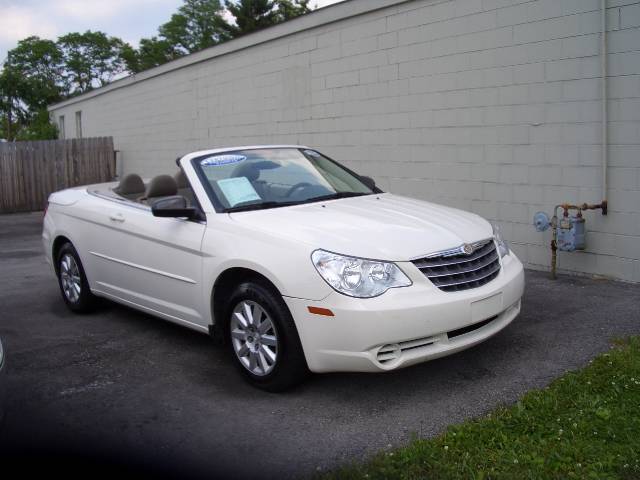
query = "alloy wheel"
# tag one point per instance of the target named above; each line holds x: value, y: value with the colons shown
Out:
x: 254, y: 338
x: 70, y: 278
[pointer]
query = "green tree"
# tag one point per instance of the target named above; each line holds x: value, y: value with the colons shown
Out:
x: 196, y: 26
x: 39, y: 128
x: 250, y: 15
x: 91, y: 59
x: 12, y: 110
x: 31, y: 78
x: 38, y: 64
x: 151, y: 53
x: 288, y: 9
x: 199, y: 24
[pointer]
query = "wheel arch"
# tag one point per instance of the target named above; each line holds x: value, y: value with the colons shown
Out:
x: 59, y: 240
x: 224, y: 284
x: 56, y: 245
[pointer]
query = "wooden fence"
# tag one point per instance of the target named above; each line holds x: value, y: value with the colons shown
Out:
x: 30, y: 171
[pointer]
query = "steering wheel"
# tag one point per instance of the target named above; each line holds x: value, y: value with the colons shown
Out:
x: 297, y: 186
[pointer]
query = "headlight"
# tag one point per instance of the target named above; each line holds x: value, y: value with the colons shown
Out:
x: 358, y: 277
x: 503, y: 246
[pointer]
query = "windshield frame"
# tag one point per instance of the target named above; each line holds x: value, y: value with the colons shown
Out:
x: 220, y: 208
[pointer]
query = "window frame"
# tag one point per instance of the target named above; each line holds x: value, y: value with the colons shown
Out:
x: 219, y: 207
x: 61, y: 128
x: 79, y: 124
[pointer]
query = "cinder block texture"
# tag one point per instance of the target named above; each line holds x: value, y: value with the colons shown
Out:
x: 489, y: 105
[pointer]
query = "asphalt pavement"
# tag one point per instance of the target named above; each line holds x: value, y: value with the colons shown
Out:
x: 119, y: 391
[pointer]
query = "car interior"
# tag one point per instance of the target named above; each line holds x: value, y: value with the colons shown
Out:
x: 133, y: 188
x: 275, y: 175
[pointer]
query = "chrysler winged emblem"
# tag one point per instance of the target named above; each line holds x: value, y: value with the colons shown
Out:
x: 467, y: 249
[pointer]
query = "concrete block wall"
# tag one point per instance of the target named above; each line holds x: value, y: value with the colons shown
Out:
x: 492, y: 106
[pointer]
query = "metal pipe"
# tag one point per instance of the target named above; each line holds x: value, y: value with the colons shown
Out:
x: 554, y: 255
x: 605, y: 112
x: 554, y: 241
x: 585, y: 206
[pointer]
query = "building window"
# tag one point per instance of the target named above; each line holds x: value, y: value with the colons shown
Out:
x: 61, y: 127
x: 79, y: 124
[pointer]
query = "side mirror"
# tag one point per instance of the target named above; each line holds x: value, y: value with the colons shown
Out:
x: 176, y: 206
x: 368, y: 181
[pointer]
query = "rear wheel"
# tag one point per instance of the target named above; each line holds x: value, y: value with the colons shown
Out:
x: 73, y: 281
x: 263, y: 338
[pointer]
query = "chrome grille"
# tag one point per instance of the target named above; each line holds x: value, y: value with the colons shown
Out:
x: 455, y: 270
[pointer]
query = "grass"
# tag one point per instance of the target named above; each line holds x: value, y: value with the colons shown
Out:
x: 585, y: 425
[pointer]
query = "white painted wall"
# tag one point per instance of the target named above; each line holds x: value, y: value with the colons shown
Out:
x: 488, y: 105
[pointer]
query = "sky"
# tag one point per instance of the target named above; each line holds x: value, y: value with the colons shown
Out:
x: 129, y: 20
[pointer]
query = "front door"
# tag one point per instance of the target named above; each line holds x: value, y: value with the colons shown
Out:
x: 150, y: 262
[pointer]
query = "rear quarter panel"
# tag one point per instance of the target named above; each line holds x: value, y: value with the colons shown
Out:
x: 73, y: 214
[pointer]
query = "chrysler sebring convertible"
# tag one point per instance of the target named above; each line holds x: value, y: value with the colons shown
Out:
x: 295, y: 262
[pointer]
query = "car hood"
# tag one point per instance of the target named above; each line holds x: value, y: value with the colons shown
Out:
x: 383, y: 227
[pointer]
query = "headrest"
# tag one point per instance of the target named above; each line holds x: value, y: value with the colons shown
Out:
x: 131, y: 184
x: 249, y: 170
x: 162, y: 186
x: 181, y: 179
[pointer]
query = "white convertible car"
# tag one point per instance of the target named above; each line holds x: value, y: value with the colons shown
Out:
x: 295, y: 261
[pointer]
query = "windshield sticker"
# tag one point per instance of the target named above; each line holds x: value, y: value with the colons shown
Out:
x: 222, y: 160
x: 238, y: 190
x: 312, y: 153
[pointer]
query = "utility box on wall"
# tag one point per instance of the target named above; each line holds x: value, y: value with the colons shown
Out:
x: 571, y: 233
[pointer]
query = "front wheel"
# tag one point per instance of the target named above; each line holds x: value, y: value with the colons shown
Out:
x: 73, y: 281
x: 263, y: 338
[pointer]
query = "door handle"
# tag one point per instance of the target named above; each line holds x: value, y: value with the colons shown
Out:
x: 116, y: 217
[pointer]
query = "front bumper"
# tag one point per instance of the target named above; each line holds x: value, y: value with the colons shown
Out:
x: 407, y: 325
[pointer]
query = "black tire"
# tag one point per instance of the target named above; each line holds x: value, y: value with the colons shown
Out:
x: 84, y: 301
x: 290, y: 366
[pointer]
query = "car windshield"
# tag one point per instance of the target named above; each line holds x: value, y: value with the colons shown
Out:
x: 275, y: 177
